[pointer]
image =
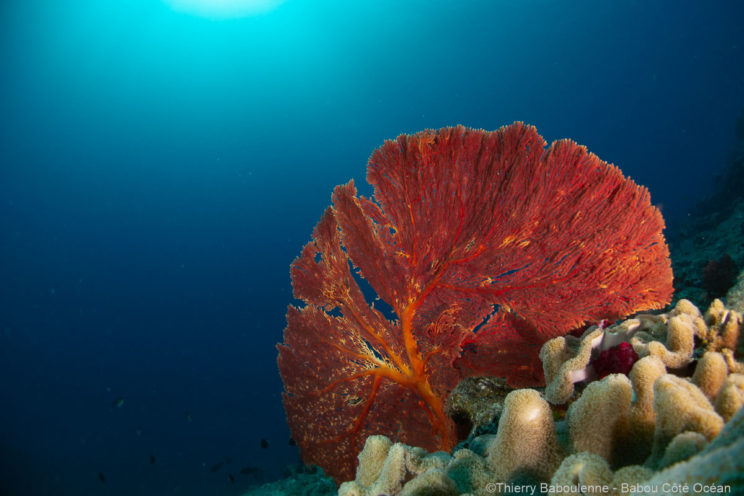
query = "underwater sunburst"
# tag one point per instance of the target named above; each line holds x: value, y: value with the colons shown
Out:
x: 222, y: 9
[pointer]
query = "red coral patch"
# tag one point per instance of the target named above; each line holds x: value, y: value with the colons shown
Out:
x: 617, y: 360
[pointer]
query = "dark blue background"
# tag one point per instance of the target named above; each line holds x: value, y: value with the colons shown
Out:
x: 159, y: 172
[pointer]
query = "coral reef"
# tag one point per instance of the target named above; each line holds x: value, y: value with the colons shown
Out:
x: 735, y: 295
x: 312, y: 482
x: 617, y: 360
x: 583, y: 468
x: 476, y: 402
x: 626, y: 433
x: 723, y: 328
x: 719, y: 275
x: 680, y: 407
x: 699, y: 244
x: 526, y: 442
x: 468, y: 230
x: 670, y: 337
x: 710, y: 231
x: 710, y: 373
x: 717, y: 468
x: 730, y: 397
x: 565, y: 360
x: 394, y: 468
x: 597, y: 416
x: 683, y: 446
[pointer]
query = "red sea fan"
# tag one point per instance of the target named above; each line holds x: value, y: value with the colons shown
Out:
x: 484, y: 244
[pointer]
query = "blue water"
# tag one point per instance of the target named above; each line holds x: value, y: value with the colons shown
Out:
x: 160, y: 170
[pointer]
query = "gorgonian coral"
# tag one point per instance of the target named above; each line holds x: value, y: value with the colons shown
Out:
x: 483, y: 244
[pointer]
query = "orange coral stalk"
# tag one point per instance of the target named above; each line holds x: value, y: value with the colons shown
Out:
x: 468, y: 230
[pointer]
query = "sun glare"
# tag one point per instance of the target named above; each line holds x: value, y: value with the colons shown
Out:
x: 222, y: 9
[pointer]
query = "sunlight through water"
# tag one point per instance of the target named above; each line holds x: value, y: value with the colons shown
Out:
x: 224, y: 9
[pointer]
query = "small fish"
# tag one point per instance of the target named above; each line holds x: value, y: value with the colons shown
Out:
x: 101, y: 477
x: 188, y: 416
x: 117, y: 403
x: 249, y: 470
x: 152, y: 459
x: 292, y: 442
x: 264, y: 443
x: 216, y: 467
x: 232, y: 479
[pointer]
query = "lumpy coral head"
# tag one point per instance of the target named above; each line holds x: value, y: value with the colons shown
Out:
x: 484, y: 245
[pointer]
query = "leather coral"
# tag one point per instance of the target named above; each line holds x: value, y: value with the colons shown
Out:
x: 483, y: 245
